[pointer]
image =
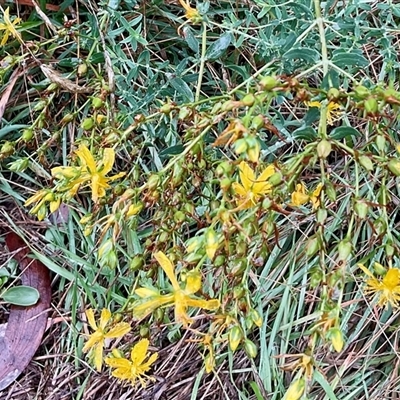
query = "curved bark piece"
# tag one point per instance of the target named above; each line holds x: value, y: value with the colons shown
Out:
x: 26, y: 325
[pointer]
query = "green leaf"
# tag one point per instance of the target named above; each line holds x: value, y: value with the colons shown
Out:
x: 191, y: 40
x: 349, y: 58
x: 309, y: 55
x: 343, y: 132
x: 182, y: 88
x: 218, y: 48
x: 307, y: 133
x: 21, y: 296
x: 172, y: 151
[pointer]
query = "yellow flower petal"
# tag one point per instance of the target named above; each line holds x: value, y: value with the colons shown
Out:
x: 193, y: 282
x: 142, y: 308
x: 139, y: 351
x: 239, y: 189
x: 98, y: 357
x: 147, y: 292
x: 206, y: 304
x: 94, y: 339
x: 246, y: 175
x: 90, y: 316
x: 108, y: 160
x: 86, y: 158
x: 36, y: 197
x: 104, y: 318
x: 168, y: 268
x: 119, y: 330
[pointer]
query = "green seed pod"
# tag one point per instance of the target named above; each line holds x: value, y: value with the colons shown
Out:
x: 330, y: 191
x: 219, y: 261
x: 239, y: 292
x: 361, y: 92
x: 248, y: 100
x: 144, y: 331
x: 67, y: 118
x: 250, y: 348
x: 153, y: 181
x: 268, y: 83
x: 380, y: 143
x: 225, y: 184
x: 87, y: 124
x: 237, y: 267
x: 267, y: 203
x: 136, y: 263
x: 366, y: 162
x: 179, y: 217
x: 371, y: 105
x: 235, y: 337
x: 166, y: 109
x: 336, y: 337
x: 241, y: 146
x: 333, y: 94
x: 394, y: 166
x: 224, y: 168
x: 52, y: 87
x: 316, y: 278
x: 275, y: 179
x: 40, y: 105
x: 344, y: 250
x: 361, y: 208
x: 97, y: 103
x: 256, y: 317
x: 312, y: 246
x: 389, y: 249
x: 7, y: 148
x: 27, y: 135
x: 257, y: 122
x: 324, y: 148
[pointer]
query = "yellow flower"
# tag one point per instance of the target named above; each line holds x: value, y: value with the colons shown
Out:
x: 300, y: 196
x: 191, y: 13
x: 88, y: 171
x: 180, y: 298
x: 333, y: 112
x: 251, y: 188
x: 388, y: 289
x: 9, y: 27
x: 101, y: 332
x: 296, y: 390
x: 135, y: 368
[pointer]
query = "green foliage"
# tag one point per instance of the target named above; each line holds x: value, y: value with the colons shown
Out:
x: 259, y: 150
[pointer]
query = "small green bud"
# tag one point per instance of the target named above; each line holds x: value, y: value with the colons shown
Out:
x: 322, y: 215
x: 235, y: 336
x: 268, y: 83
x: 250, y: 348
x: 330, y: 191
x: 241, y: 146
x: 380, y: 142
x: 324, y: 148
x: 87, y: 124
x: 136, y: 263
x: 153, y: 181
x: 366, y: 162
x: 333, y: 94
x: 224, y: 168
x: 166, y: 109
x: 361, y: 92
x: 394, y: 166
x: 67, y: 118
x: 371, y: 105
x: 97, y: 103
x: 27, y: 135
x: 257, y: 122
x: 380, y: 269
x: 179, y: 217
x: 312, y: 246
x: 225, y: 184
x: 19, y: 165
x: 344, y: 249
x: 40, y: 105
x: 7, y: 148
x: 275, y: 179
x: 248, y: 100
x: 361, y: 208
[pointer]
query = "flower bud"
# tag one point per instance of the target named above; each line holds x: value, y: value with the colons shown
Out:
x: 87, y: 124
x: 82, y: 70
x: 136, y: 263
x: 296, y: 390
x: 19, y: 165
x: 27, y: 135
x: 312, y: 246
x: 275, y: 179
x: 394, y: 166
x: 268, y: 83
x: 257, y: 122
x: 97, y: 103
x: 380, y: 142
x: 361, y: 208
x: 7, y: 149
x: 380, y: 269
x: 371, y: 105
x: 361, y: 92
x: 324, y: 148
x: 235, y: 337
x: 211, y: 239
x: 344, y: 249
x: 248, y: 100
x: 153, y: 181
x: 166, y: 108
x: 250, y: 348
x: 336, y: 337
x: 366, y: 162
x: 256, y: 317
x: 333, y: 94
